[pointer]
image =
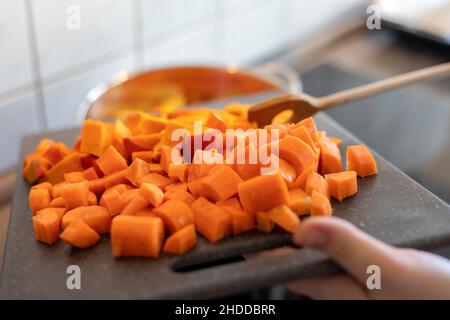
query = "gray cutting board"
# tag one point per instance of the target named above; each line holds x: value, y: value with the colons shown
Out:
x: 390, y: 206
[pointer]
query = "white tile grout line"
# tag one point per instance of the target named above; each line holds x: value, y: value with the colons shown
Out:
x: 36, y: 70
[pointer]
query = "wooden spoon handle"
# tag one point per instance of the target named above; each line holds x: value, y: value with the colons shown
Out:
x: 382, y: 86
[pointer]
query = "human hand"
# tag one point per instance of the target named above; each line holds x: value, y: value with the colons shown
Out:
x: 405, y: 273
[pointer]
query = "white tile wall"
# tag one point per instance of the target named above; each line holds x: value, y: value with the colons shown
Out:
x: 106, y: 26
x: 162, y: 16
x: 15, y: 62
x: 307, y: 18
x: 192, y: 49
x: 123, y: 34
x: 252, y: 36
x: 63, y: 99
x: 17, y: 118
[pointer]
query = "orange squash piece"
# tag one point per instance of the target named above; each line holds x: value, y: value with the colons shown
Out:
x: 180, y: 195
x: 146, y: 213
x: 112, y: 200
x: 246, y: 162
x: 97, y: 186
x: 149, y: 124
x: 216, y: 121
x: 310, y: 125
x: 128, y: 195
x: 46, y: 227
x: 302, y: 133
x: 56, y: 191
x: 232, y: 202
x: 44, y: 185
x: 90, y: 174
x: 240, y: 221
x: 166, y: 157
x: 56, y: 152
x: 171, y: 126
x: 72, y: 215
x: 342, y: 185
x: 141, y: 143
x: 296, y: 152
x: 320, y: 205
x: 211, y: 222
x: 59, y: 211
x: 263, y: 223
x: 35, y: 167
x: 98, y: 218
x: 75, y: 194
x: 221, y: 183
x: 72, y: 177
x: 318, y: 183
x: 175, y: 214
x: 199, y: 165
x: 195, y: 187
x: 145, y: 239
x: 147, y: 156
x: 288, y: 172
x: 178, y: 171
x: 285, y: 218
x: 136, y: 170
x: 156, y: 179
x: 79, y: 235
x: 95, y: 137
x: 152, y: 194
x: 57, y: 203
x: 263, y: 193
x: 111, y: 161
x: 330, y: 157
x: 176, y: 187
x: 92, y: 199
x: 39, y: 199
x: 300, y: 181
x: 71, y: 163
x: 114, y: 179
x: 155, y: 168
x: 181, y: 241
x: 361, y: 160
x: 136, y: 204
x: 299, y: 201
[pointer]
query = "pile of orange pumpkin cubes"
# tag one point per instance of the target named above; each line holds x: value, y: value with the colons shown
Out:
x: 120, y: 179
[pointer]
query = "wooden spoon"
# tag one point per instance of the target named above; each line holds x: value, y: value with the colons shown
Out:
x: 304, y: 105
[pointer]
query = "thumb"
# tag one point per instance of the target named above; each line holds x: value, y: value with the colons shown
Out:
x: 353, y: 249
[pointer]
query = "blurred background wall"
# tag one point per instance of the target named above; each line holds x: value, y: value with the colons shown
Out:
x: 48, y: 61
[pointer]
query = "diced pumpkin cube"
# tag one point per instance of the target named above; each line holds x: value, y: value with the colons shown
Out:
x: 361, y: 160
x: 75, y: 194
x: 95, y: 137
x: 263, y: 193
x: 80, y: 235
x: 211, y: 221
x: 342, y: 185
x: 284, y: 217
x: 320, y: 205
x: 46, y: 227
x: 175, y: 214
x: 146, y: 240
x: 181, y: 241
x: 111, y: 161
x: 39, y: 199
